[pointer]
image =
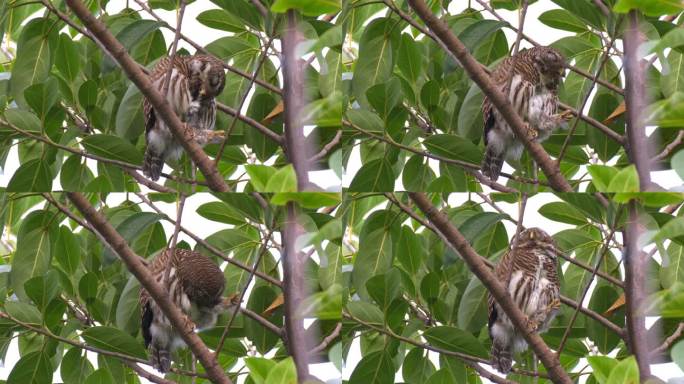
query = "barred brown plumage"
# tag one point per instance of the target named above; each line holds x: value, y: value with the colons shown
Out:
x: 195, y: 285
x: 194, y: 83
x: 531, y: 278
x: 533, y: 75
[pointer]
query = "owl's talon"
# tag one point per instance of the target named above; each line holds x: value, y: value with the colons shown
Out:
x: 188, y: 324
x: 566, y: 115
x: 532, y: 133
x: 531, y: 324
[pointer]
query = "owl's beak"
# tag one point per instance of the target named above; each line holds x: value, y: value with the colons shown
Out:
x: 202, y: 92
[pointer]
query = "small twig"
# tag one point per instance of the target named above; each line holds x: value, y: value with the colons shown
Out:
x: 147, y: 375
x: 677, y: 141
x: 602, y: 7
x: 147, y: 182
x: 327, y: 148
x: 263, y: 322
x: 667, y: 343
x: 327, y: 340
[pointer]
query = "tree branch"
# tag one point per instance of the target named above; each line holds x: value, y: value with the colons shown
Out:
x: 636, y: 272
x: 635, y: 100
x: 294, y: 290
x: 489, y: 280
x: 160, y: 104
x: 293, y: 99
x: 142, y: 274
x: 474, y: 70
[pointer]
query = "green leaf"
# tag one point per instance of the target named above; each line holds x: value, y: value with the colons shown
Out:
x: 601, y: 176
x: 601, y: 299
x: 677, y: 354
x: 26, y: 313
x: 112, y: 147
x: 384, y: 97
x: 384, y: 288
x: 74, y: 175
x: 220, y: 19
x: 32, y: 258
x: 472, y: 309
x: 127, y: 311
x: 563, y: 212
x: 220, y: 212
x: 113, y: 340
x: 417, y: 367
x: 68, y: 58
x: 259, y: 175
x: 453, y: 147
x: 649, y: 7
x: 23, y: 120
x: 68, y: 251
x: 374, y: 176
x: 87, y: 94
x: 100, y: 376
x: 673, y: 80
x: 672, y: 270
x: 42, y: 289
x: 131, y: 228
x: 284, y: 372
x: 42, y: 97
x: 377, y: 51
x: 259, y: 368
x: 417, y: 174
x: 455, y: 340
x: 625, y: 372
x: 32, y: 368
x: 366, y: 120
x: 34, y: 175
x: 366, y: 312
x: 410, y: 58
x: 309, y: 200
x: 601, y: 367
x: 374, y: 368
x: 284, y: 180
x: 677, y: 163
x: 75, y: 367
x: 374, y: 257
x: 470, y: 114
x: 443, y: 376
x: 130, y: 122
x: 35, y: 50
x: 562, y: 19
x: 259, y: 299
x: 410, y: 252
x: 307, y: 7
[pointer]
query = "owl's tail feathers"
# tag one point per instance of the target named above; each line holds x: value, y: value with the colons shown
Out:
x: 502, y: 360
x: 152, y: 164
x: 492, y: 163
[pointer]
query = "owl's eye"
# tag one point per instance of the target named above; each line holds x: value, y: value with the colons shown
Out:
x: 214, y: 82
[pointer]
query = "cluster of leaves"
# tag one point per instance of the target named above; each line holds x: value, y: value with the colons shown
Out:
x: 63, y: 291
x: 62, y: 88
x: 408, y: 97
x: 406, y: 282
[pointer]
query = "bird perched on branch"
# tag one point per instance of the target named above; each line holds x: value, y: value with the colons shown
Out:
x: 194, y: 84
x: 530, y: 81
x: 529, y: 275
x: 195, y: 285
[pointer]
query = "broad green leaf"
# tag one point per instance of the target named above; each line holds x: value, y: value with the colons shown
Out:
x: 75, y: 367
x: 87, y: 94
x: 672, y: 269
x: 602, y: 106
x: 374, y: 257
x: 384, y: 288
x: 36, y: 49
x: 562, y: 19
x: 475, y: 226
x: 377, y: 51
x: 562, y: 212
x: 42, y: 289
x: 68, y: 58
x: 114, y: 340
x: 443, y: 376
x: 131, y: 228
x: 385, y: 96
x: 42, y: 96
x: 112, y: 147
x: 453, y: 147
x: 34, y: 176
x: 23, y: 120
x: 625, y: 372
x: 68, y: 250
x: 259, y: 175
x: 374, y: 176
x: 32, y: 368
x: 127, y: 311
x: 32, y: 258
x: 455, y: 340
x: 307, y: 200
x: 100, y: 376
x: 366, y: 312
x: 220, y: 19
x: 366, y: 120
x: 410, y: 58
x: 677, y: 163
x: 307, y: 7
x: 601, y: 299
x: 601, y: 175
x: 74, y: 174
x: 220, y: 212
x: 472, y: 309
x: 374, y: 368
x: 259, y: 368
x: 284, y: 372
x: 673, y: 80
x: 649, y: 7
x: 475, y: 33
x: 601, y: 367
x: 470, y: 114
x: 259, y: 299
x: 284, y: 180
x: 130, y: 123
x: 24, y: 312
x: 417, y: 368
x: 417, y: 174
x: 243, y: 10
x: 410, y: 252
x: 677, y: 354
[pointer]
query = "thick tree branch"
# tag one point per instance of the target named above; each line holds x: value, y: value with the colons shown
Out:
x: 158, y: 293
x: 635, y: 100
x: 636, y: 272
x: 489, y: 280
x: 293, y: 99
x: 294, y: 290
x: 160, y: 104
x: 475, y: 71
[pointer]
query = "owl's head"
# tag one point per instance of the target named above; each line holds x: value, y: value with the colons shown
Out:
x: 537, y: 238
x: 210, y: 73
x: 550, y: 63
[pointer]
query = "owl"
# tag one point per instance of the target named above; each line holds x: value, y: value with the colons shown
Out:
x: 195, y: 82
x: 195, y: 285
x: 530, y: 277
x: 534, y: 75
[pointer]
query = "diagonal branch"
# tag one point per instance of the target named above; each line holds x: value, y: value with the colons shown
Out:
x: 489, y: 280
x: 475, y: 71
x: 142, y: 274
x: 160, y: 104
